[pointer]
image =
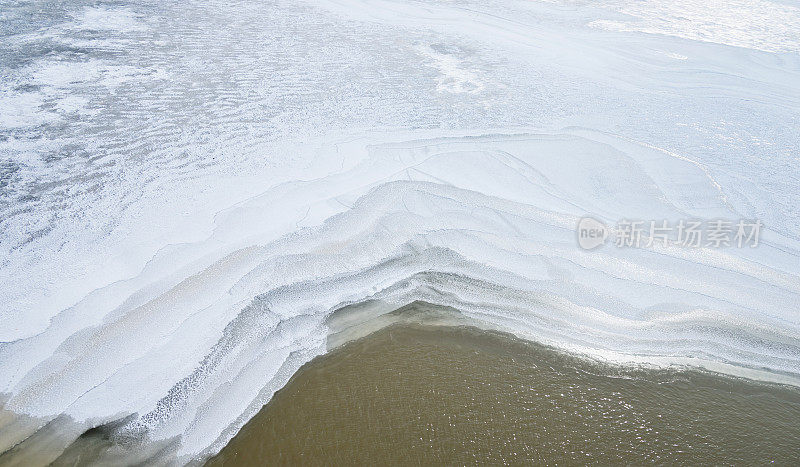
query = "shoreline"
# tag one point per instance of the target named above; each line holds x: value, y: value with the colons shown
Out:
x: 348, y: 327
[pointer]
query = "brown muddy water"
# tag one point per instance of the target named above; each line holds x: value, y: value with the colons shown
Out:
x: 418, y: 395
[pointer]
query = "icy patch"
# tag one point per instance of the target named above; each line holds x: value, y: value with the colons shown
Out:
x: 109, y: 19
x: 68, y: 75
x: 19, y: 110
x: 753, y: 24
x: 454, y: 77
x: 676, y: 56
x: 64, y: 74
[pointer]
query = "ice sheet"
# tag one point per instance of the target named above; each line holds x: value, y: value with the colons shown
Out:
x: 188, y: 192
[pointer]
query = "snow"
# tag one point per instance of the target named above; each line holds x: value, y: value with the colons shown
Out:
x: 188, y: 197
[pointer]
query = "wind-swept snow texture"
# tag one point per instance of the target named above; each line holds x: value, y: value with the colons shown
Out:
x: 189, y: 189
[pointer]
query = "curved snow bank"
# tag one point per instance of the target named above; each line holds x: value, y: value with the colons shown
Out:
x: 196, y: 343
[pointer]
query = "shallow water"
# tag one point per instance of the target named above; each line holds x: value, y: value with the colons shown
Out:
x: 415, y: 394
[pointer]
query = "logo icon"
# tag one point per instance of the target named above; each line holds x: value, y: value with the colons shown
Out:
x: 591, y: 233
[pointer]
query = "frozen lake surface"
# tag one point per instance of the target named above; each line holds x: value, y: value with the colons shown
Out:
x: 188, y: 191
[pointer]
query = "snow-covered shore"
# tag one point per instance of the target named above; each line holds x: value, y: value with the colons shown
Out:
x: 180, y: 223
